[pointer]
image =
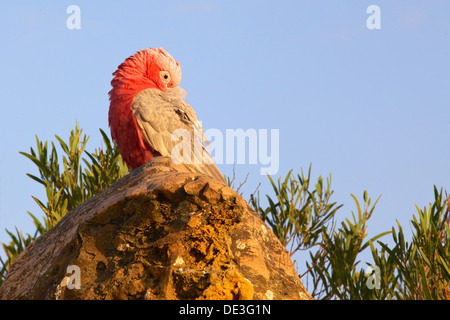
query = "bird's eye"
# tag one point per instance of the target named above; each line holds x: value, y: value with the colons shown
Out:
x: 165, y: 76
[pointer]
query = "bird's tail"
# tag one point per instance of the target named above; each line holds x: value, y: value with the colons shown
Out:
x: 212, y: 171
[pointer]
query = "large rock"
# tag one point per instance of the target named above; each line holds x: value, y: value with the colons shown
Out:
x: 161, y: 232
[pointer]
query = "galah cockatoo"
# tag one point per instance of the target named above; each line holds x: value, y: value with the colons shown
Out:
x: 147, y: 107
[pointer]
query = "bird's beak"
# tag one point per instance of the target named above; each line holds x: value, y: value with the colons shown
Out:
x: 162, y: 87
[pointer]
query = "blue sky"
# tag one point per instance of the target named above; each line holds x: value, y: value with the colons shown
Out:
x: 369, y: 107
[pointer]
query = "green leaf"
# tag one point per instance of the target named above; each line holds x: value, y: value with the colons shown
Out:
x: 425, y: 288
x: 63, y: 144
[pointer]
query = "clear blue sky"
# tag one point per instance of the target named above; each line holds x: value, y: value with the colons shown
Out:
x: 371, y: 107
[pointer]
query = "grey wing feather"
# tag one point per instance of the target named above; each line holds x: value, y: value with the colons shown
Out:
x: 158, y: 114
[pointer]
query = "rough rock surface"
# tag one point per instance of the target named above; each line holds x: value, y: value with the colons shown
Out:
x: 161, y: 232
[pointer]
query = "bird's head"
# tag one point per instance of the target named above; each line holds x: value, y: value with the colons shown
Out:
x: 161, y: 68
x: 148, y: 68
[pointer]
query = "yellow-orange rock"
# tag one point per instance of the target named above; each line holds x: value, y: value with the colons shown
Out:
x: 161, y: 232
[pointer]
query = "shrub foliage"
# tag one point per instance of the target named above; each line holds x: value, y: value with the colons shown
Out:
x: 68, y: 181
